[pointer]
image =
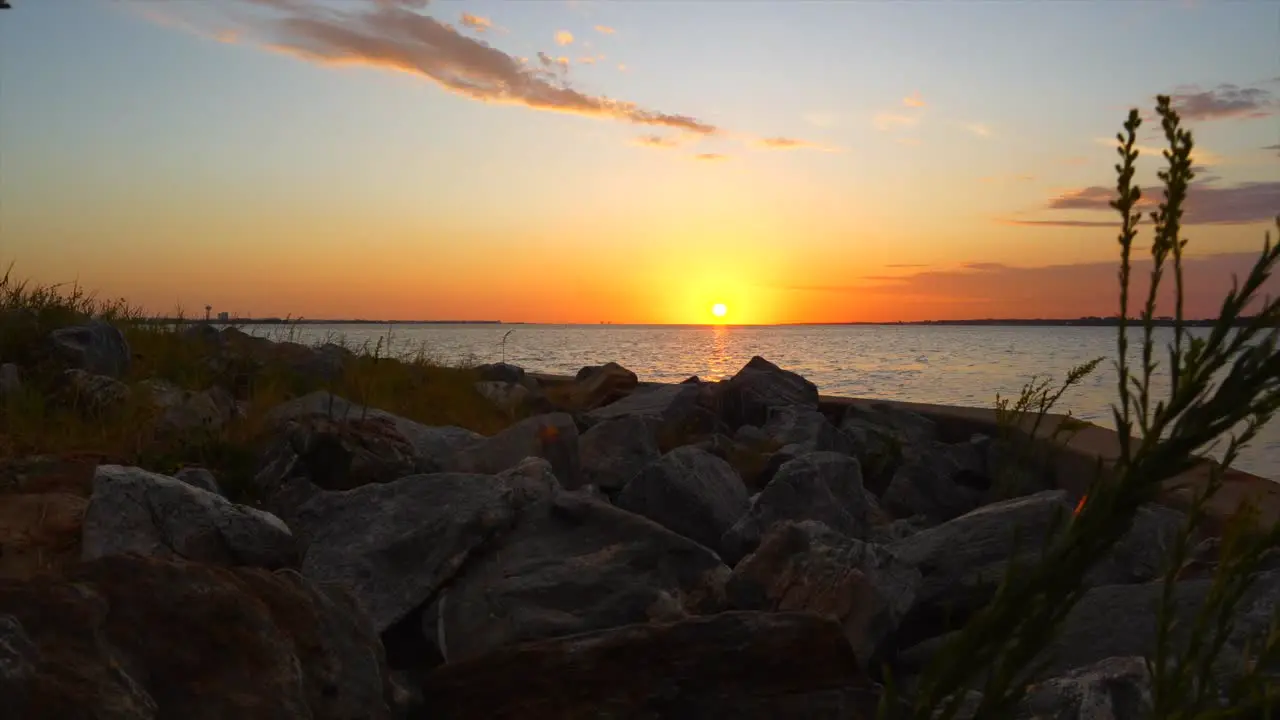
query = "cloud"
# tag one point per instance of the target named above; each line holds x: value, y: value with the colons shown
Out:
x: 605, y: 30
x: 978, y: 129
x: 554, y: 64
x: 1275, y: 147
x: 907, y: 265
x: 997, y: 290
x: 564, y: 37
x: 1200, y: 155
x: 1224, y: 101
x: 891, y: 121
x: 586, y: 61
x: 913, y: 100
x: 1207, y: 204
x: 710, y: 157
x: 821, y: 119
x: 786, y: 143
x: 385, y: 34
x: 908, y: 141
x: 656, y: 141
x: 476, y: 23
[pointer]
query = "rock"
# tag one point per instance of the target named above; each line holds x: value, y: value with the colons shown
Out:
x: 432, y: 446
x: 570, y: 566
x: 690, y: 492
x: 397, y: 544
x: 881, y: 436
x: 1120, y: 620
x: 964, y: 560
x: 663, y: 403
x: 39, y: 532
x: 204, y: 332
x: 1117, y: 688
x: 198, y: 477
x: 691, y: 380
x: 501, y: 372
x: 809, y: 430
x: 614, y: 451
x: 806, y: 566
x: 183, y: 412
x: 602, y: 385
x: 133, y: 511
x: 513, y: 398
x: 10, y: 379
x: 731, y: 665
x: 19, y: 659
x: 338, y: 454
x: 96, y: 347
x: 754, y: 438
x: 938, y: 480
x: 133, y: 637
x: 745, y: 398
x: 94, y: 393
x: 822, y: 486
x: 901, y: 529
x: 553, y: 437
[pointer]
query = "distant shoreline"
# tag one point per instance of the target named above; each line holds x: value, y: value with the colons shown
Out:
x: 989, y: 322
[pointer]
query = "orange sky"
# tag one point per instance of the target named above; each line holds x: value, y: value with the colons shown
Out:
x: 586, y: 162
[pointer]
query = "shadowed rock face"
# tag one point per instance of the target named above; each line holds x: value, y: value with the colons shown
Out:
x: 131, y: 637
x: 688, y: 491
x: 731, y: 665
x: 745, y: 398
x: 572, y: 565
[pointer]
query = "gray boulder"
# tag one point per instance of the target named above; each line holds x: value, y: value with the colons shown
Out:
x: 745, y: 398
x: 806, y: 566
x: 132, y: 511
x: 1115, y: 688
x: 806, y: 429
x: 729, y: 665
x: 10, y: 379
x: 96, y: 347
x: 397, y: 544
x: 199, y: 477
x: 501, y: 372
x: 942, y: 481
x: 573, y: 565
x: 615, y: 450
x: 553, y: 437
x: 690, y: 492
x: 822, y: 486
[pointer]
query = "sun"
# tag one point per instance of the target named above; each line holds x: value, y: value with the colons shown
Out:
x: 719, y: 310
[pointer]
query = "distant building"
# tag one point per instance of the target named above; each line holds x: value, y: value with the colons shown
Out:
x: 224, y: 317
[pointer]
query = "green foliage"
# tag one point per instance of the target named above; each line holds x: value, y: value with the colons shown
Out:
x: 1002, y: 645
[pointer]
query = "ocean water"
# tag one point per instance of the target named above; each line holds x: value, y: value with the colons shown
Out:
x: 955, y: 365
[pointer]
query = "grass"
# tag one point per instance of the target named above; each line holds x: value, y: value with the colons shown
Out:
x: 1000, y: 649
x: 39, y: 421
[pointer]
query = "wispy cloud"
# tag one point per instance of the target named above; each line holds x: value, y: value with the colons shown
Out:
x: 391, y: 34
x: 891, y: 121
x: 605, y: 30
x: 564, y: 37
x: 822, y: 119
x: 905, y: 266
x: 913, y: 100
x: 476, y: 23
x: 786, y: 143
x: 656, y: 141
x: 1202, y: 156
x: 1275, y: 147
x: 978, y: 129
x: 1207, y: 204
x: 710, y: 157
x: 1225, y: 101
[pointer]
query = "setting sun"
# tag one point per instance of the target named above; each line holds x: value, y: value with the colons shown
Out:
x: 719, y: 310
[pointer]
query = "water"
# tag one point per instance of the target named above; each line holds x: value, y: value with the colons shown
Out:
x: 951, y: 365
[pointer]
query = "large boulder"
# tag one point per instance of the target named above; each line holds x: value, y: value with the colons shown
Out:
x: 133, y: 511
x: 822, y: 486
x: 553, y: 437
x: 432, y: 446
x: 615, y: 450
x: 805, y: 430
x: 501, y: 372
x: 597, y: 386
x: 572, y: 565
x: 338, y: 454
x: 730, y: 665
x: 134, y: 637
x: 397, y: 544
x: 882, y: 436
x: 964, y: 560
x: 807, y: 566
x: 184, y: 413
x: 514, y: 398
x: 745, y: 398
x: 688, y: 491
x: 1115, y: 688
x: 97, y: 347
x: 941, y: 481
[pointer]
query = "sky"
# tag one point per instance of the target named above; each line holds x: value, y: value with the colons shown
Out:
x: 632, y: 162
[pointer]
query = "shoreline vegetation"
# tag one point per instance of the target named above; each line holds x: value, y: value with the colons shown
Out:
x: 199, y: 521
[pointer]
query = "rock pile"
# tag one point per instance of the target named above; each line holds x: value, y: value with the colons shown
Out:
x: 727, y: 549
